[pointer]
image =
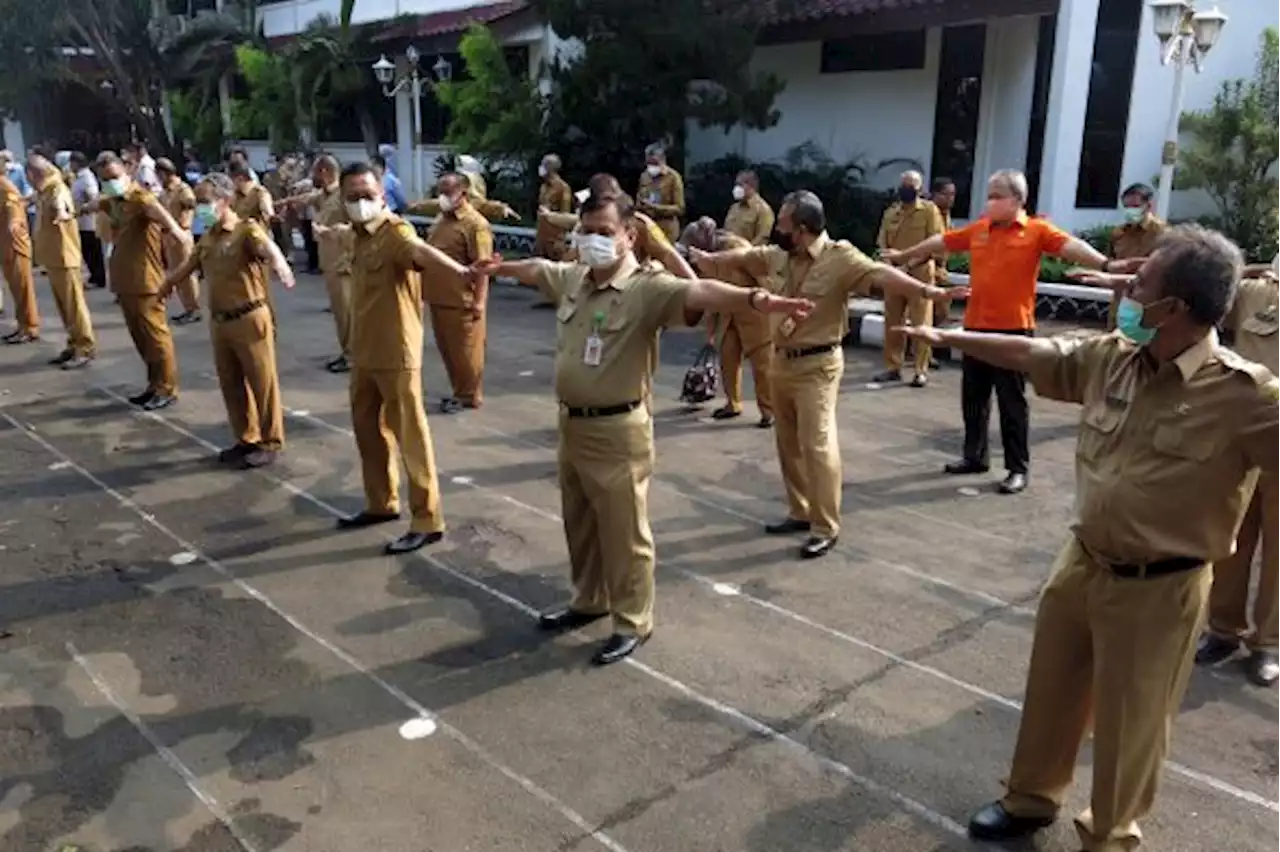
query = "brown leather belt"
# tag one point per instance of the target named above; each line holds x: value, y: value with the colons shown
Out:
x: 236, y: 313
x: 600, y: 410
x: 792, y: 354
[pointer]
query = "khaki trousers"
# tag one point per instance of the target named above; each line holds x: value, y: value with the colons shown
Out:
x: 1118, y: 652
x: 386, y: 415
x: 460, y: 337
x: 339, y: 286
x: 68, y: 295
x: 605, y: 464
x: 244, y: 353
x: 1112, y: 310
x: 176, y: 254
x: 920, y: 312
x: 22, y: 286
x: 1229, y: 600
x: 804, y: 404
x: 148, y: 325
x: 732, y: 353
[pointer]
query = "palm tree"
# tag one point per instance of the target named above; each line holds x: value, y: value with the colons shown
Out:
x: 331, y: 59
x: 201, y: 54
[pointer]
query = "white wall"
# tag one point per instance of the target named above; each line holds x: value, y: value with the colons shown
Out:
x: 878, y: 115
x: 1004, y: 111
x: 287, y: 17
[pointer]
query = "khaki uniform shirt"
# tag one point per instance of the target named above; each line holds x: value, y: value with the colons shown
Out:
x: 648, y: 234
x: 57, y: 240
x: 13, y: 210
x: 180, y: 200
x: 137, y: 258
x: 555, y: 195
x: 1253, y: 321
x: 465, y: 236
x: 626, y: 312
x: 254, y: 203
x: 827, y: 273
x: 904, y: 225
x: 386, y: 296
x: 662, y: 197
x: 754, y: 327
x: 940, y: 276
x: 752, y: 219
x: 1166, y: 451
x: 334, y: 247
x: 1138, y: 239
x: 234, y: 265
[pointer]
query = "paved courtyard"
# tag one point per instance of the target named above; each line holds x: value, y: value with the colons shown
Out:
x: 198, y: 661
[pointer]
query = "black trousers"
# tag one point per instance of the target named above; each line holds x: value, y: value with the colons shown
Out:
x: 978, y: 379
x: 91, y: 248
x: 309, y: 245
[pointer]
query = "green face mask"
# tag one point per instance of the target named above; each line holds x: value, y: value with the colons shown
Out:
x: 1129, y: 321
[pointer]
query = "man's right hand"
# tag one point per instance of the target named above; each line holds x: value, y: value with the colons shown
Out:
x: 923, y: 333
x: 482, y: 268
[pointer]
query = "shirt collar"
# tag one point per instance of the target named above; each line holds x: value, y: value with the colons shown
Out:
x: 819, y: 245
x: 620, y: 278
x: 1195, y: 356
x: 375, y: 224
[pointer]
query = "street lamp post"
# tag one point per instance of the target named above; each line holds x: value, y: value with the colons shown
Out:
x: 1185, y: 37
x: 385, y: 72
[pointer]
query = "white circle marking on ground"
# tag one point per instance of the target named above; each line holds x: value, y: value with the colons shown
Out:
x: 60, y: 465
x: 417, y: 729
x: 873, y: 386
x: 969, y: 491
x: 184, y: 557
x: 462, y: 480
x: 526, y: 372
x: 726, y: 589
x: 301, y: 413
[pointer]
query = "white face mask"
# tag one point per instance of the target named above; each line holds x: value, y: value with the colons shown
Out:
x: 363, y: 210
x: 654, y: 171
x: 597, y: 250
x: 542, y: 171
x: 446, y: 203
x: 739, y: 192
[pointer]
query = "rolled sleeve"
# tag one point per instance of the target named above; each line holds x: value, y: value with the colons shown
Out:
x: 1052, y: 238
x: 757, y: 262
x: 256, y: 239
x: 1062, y: 368
x: 959, y: 239
x: 859, y: 271
x: 556, y: 279
x: 664, y: 299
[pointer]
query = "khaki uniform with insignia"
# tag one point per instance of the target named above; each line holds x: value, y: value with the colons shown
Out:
x: 1135, y: 239
x: 1254, y: 321
x: 606, y: 335
x: 386, y: 373
x: 57, y: 248
x: 745, y: 334
x: 180, y: 201
x: 15, y: 254
x: 555, y: 196
x: 808, y: 364
x: 137, y: 274
x: 751, y: 218
x: 1164, y: 458
x: 458, y: 323
x: 903, y: 226
x: 254, y: 204
x: 662, y: 198
x: 235, y: 264
x: 335, y: 247
x: 494, y: 211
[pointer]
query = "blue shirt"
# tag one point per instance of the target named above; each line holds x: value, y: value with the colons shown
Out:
x: 18, y: 175
x: 394, y: 190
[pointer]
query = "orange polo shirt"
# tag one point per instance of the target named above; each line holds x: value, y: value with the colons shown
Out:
x: 1004, y: 263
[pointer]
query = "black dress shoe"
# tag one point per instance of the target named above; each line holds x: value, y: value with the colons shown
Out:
x: 159, y: 401
x: 258, y: 458
x: 412, y: 541
x: 338, y: 365
x: 449, y: 405
x: 993, y: 822
x: 76, y: 361
x: 617, y: 647
x: 725, y: 413
x: 818, y: 545
x: 233, y: 455
x: 560, y: 620
x: 919, y: 380
x: 21, y: 337
x: 62, y: 357
x: 1014, y: 483
x: 1212, y: 649
x: 765, y: 422
x: 1262, y: 668
x: 360, y: 520
x: 965, y: 466
x: 142, y: 398
x: 787, y: 527
x: 887, y: 376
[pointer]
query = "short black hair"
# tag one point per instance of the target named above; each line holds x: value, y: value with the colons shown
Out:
x: 238, y: 150
x: 79, y: 157
x: 595, y: 203
x: 1140, y: 189
x: 941, y: 183
x: 239, y: 170
x: 379, y: 161
x: 603, y: 183
x: 806, y: 211
x: 356, y: 169
x: 1200, y: 268
x: 750, y: 177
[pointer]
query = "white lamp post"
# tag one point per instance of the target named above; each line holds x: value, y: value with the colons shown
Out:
x: 1185, y: 37
x: 385, y: 72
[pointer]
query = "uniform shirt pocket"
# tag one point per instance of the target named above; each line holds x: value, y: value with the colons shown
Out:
x: 1181, y: 441
x: 1099, y: 424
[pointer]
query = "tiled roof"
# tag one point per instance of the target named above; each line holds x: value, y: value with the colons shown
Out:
x: 452, y: 21
x: 791, y: 12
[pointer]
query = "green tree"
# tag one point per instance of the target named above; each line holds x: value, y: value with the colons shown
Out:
x: 1233, y: 153
x: 271, y: 108
x: 331, y: 61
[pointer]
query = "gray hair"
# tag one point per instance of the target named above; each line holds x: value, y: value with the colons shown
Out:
x: 655, y: 149
x: 6, y: 156
x: 1200, y: 268
x: 219, y: 185
x: 108, y: 158
x: 806, y: 210
x: 1014, y: 181
x: 912, y: 177
x: 552, y: 161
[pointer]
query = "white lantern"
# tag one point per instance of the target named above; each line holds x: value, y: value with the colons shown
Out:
x: 1167, y: 17
x: 384, y: 70
x: 1206, y: 27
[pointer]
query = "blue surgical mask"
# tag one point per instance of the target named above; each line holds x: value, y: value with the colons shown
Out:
x: 113, y: 188
x: 206, y: 215
x: 1129, y: 320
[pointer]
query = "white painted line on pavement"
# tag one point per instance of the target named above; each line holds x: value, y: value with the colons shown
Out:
x: 458, y: 736
x: 166, y: 754
x: 919, y: 809
x: 417, y: 729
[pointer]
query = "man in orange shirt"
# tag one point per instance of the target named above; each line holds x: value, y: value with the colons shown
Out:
x: 1005, y: 247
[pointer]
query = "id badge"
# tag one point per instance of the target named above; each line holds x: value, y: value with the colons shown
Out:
x: 592, y: 351
x: 788, y: 327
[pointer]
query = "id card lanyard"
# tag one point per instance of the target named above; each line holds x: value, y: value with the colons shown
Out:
x: 595, y: 345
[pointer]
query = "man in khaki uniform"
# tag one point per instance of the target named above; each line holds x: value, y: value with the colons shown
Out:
x: 15, y: 253
x: 660, y: 194
x: 750, y: 216
x: 1252, y: 324
x: 742, y: 334
x: 808, y: 359
x: 138, y: 224
x: 234, y: 256
x: 554, y: 196
x: 57, y: 248
x: 458, y: 305
x: 1137, y: 237
x: 491, y: 209
x: 180, y: 201
x: 386, y: 356
x: 610, y: 309
x: 253, y: 202
x: 335, y: 240
x: 1172, y: 429
x: 909, y: 220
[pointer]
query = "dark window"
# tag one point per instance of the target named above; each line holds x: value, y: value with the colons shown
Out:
x: 1106, y: 118
x: 897, y: 51
x: 1040, y: 106
x: 955, y: 123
